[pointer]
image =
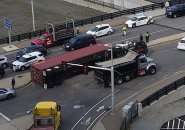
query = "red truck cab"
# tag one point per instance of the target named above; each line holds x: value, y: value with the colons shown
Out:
x: 53, y: 36
x: 45, y: 39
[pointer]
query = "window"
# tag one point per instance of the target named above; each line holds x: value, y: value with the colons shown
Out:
x: 1, y: 59
x: 43, y: 122
x: 143, y: 60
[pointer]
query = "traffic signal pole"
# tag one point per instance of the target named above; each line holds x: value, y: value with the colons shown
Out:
x: 112, y: 80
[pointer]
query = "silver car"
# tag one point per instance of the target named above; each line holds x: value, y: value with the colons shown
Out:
x: 4, y: 61
x: 7, y: 93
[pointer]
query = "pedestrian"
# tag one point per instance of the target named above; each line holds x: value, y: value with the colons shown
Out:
x: 147, y: 36
x: 124, y: 28
x: 13, y: 83
x: 141, y: 38
x: 167, y: 4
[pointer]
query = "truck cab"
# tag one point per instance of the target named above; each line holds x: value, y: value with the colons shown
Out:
x: 54, y: 35
x: 47, y: 116
x: 45, y: 40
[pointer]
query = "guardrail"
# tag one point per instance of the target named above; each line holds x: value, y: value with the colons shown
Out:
x: 164, y: 91
x: 130, y: 116
x: 91, y: 20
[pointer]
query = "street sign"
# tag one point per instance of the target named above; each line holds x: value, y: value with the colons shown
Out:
x: 8, y: 24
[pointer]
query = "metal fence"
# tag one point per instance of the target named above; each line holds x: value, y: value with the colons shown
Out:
x: 91, y: 20
x: 130, y: 116
x: 164, y: 91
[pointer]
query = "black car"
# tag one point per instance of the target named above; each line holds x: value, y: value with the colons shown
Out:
x: 79, y: 41
x: 29, y: 49
x: 175, y: 10
x: 2, y: 72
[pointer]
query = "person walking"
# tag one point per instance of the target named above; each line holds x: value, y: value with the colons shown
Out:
x: 147, y: 36
x: 141, y: 38
x: 124, y: 28
x: 13, y: 83
x: 167, y: 4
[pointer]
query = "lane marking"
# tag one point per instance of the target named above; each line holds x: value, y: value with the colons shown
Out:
x: 93, y: 108
x: 160, y: 52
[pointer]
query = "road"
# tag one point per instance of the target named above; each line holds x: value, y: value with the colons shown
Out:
x: 162, y: 27
x: 95, y: 98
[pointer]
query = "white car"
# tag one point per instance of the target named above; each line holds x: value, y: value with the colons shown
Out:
x: 181, y: 44
x: 4, y: 61
x: 26, y: 60
x: 100, y: 30
x: 138, y: 20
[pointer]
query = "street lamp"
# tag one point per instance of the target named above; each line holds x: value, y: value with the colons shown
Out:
x: 9, y: 120
x: 33, y: 15
x: 78, y: 107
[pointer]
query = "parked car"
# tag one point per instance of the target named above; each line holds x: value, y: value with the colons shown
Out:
x: 100, y: 30
x: 79, y: 41
x: 181, y: 44
x: 2, y: 72
x: 138, y: 20
x: 7, y: 93
x: 175, y: 10
x: 4, y: 61
x: 29, y: 49
x: 26, y: 60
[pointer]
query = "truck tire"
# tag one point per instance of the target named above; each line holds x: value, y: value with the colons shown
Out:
x: 119, y: 80
x: 148, y: 22
x: 128, y: 77
x: 152, y: 70
x: 109, y: 33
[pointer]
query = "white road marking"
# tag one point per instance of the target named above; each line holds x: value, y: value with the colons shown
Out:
x: 93, y: 108
x: 5, y: 117
x: 100, y: 108
x: 160, y: 52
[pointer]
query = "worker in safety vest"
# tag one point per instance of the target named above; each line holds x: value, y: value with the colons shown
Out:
x: 124, y: 28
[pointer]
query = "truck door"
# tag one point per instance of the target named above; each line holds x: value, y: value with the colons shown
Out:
x: 142, y: 62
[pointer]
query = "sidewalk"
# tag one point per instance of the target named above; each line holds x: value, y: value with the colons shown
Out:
x: 24, y: 79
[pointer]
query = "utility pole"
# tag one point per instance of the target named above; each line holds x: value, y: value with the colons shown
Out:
x: 33, y: 15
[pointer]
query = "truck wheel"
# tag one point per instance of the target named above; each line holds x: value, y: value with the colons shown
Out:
x: 127, y: 77
x: 149, y: 22
x: 152, y: 70
x: 23, y: 68
x: 72, y: 49
x: 119, y: 80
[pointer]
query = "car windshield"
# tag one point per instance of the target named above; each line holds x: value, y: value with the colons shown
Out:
x: 94, y: 29
x: 41, y: 37
x: 182, y: 41
x: 72, y: 40
x: 134, y: 18
x: 22, y: 59
x: 25, y: 50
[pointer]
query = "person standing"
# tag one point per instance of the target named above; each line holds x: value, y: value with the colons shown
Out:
x: 147, y: 36
x: 124, y: 28
x: 167, y: 4
x: 13, y: 83
x: 141, y: 38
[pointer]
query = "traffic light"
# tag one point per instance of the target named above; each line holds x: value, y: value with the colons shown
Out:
x: 85, y: 69
x: 64, y: 65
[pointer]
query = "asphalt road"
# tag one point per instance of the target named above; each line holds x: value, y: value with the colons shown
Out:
x: 82, y: 89
x: 162, y: 27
